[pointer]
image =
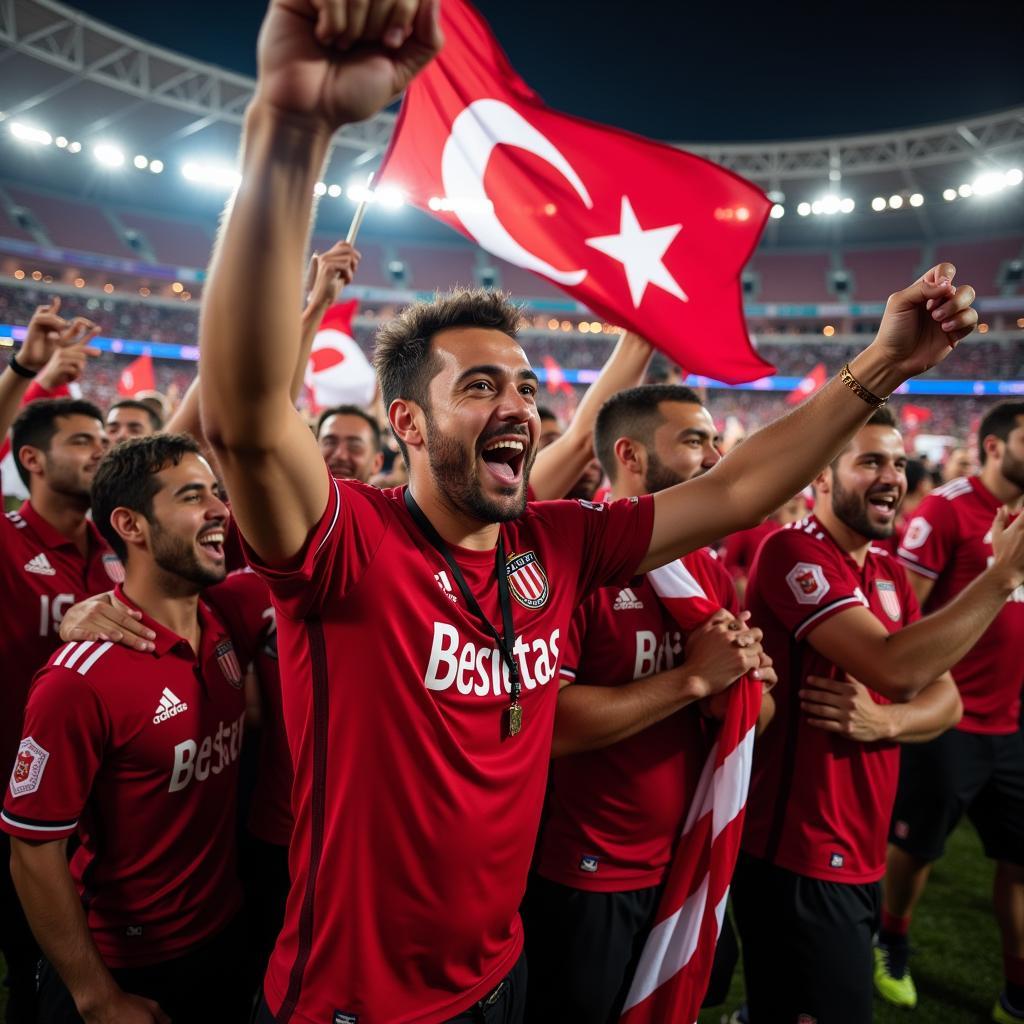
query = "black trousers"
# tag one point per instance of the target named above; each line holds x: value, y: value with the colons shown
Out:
x: 806, y: 945
x: 264, y: 870
x: 18, y: 946
x: 505, y: 1004
x: 208, y: 985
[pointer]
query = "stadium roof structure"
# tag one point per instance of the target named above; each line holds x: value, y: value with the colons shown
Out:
x: 86, y: 86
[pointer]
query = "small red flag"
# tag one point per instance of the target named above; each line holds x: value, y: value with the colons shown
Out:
x: 137, y: 376
x: 814, y: 381
x: 913, y: 416
x: 643, y: 234
x: 556, y: 378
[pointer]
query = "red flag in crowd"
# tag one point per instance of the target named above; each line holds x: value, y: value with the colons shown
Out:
x: 645, y: 235
x: 675, y: 965
x: 914, y: 416
x: 338, y: 372
x: 137, y: 376
x: 556, y: 378
x: 814, y: 381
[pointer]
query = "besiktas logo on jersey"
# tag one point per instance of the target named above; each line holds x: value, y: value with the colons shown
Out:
x: 228, y: 661
x: 28, y: 767
x: 114, y: 568
x: 886, y: 591
x: 527, y: 580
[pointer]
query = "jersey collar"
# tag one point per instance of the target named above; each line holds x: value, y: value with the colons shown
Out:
x: 166, y: 640
x: 50, y: 535
x: 984, y: 494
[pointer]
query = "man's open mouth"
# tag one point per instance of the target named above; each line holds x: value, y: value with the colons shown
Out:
x: 504, y: 457
x: 213, y: 542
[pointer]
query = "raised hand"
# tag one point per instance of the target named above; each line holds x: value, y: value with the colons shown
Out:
x: 329, y: 272
x: 337, y: 61
x: 48, y: 331
x: 923, y: 323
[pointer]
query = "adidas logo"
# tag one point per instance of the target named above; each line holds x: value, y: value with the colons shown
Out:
x: 41, y: 565
x: 627, y: 601
x: 168, y: 707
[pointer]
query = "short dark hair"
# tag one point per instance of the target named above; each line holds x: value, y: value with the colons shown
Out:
x: 36, y: 424
x: 545, y: 412
x: 883, y: 416
x: 998, y: 422
x: 132, y: 403
x: 126, y: 478
x: 402, y: 353
x: 916, y: 472
x: 350, y: 410
x: 634, y: 412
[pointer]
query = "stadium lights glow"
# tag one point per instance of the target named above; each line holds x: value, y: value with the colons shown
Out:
x: 878, y: 204
x: 156, y: 166
x: 29, y: 133
x: 778, y: 212
x: 831, y: 204
x: 803, y: 209
x: 986, y: 184
x: 141, y: 162
x: 334, y: 191
x: 949, y: 194
x: 213, y: 175
x: 319, y: 189
x: 1014, y: 176
x: 895, y: 202
x: 389, y: 197
x: 965, y: 191
x: 74, y: 147
x: 777, y: 197
x: 846, y: 205
x: 108, y: 155
x: 917, y: 199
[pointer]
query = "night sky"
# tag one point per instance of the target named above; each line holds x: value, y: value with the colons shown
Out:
x: 702, y: 71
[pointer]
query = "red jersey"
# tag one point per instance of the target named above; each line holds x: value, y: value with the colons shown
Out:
x: 138, y: 753
x: 42, y: 574
x: 614, y: 814
x: 415, y: 813
x: 949, y: 540
x: 819, y: 803
x: 740, y: 548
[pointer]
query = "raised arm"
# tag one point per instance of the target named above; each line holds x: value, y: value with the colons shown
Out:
x: 899, y: 665
x: 55, y: 914
x: 317, y: 71
x: 920, y: 327
x: 559, y: 466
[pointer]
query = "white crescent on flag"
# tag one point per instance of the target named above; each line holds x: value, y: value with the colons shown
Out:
x: 338, y: 372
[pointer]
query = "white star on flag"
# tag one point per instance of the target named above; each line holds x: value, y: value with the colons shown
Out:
x: 641, y: 254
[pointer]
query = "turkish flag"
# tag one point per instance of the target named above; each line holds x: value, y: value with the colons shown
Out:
x: 645, y: 235
x: 814, y: 381
x: 913, y: 416
x: 338, y: 373
x: 137, y: 376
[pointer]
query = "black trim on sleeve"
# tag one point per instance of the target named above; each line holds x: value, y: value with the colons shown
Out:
x: 17, y: 819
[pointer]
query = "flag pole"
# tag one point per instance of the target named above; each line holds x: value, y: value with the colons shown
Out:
x: 357, y: 217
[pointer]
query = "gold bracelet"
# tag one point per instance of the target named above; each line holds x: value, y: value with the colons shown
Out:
x: 859, y: 390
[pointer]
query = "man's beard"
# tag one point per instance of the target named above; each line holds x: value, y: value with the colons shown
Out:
x: 1013, y: 470
x: 177, y: 556
x: 659, y: 477
x: 65, y: 478
x: 850, y: 508
x: 455, y: 474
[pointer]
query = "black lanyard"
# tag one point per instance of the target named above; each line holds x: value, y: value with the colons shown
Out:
x: 505, y: 643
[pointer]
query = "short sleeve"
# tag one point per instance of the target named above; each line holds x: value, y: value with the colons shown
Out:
x: 65, y: 733
x: 616, y: 537
x: 575, y: 641
x: 931, y: 535
x: 802, y: 581
x: 336, y: 553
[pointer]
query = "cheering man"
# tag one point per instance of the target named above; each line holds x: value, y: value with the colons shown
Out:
x: 420, y: 630
x: 834, y: 609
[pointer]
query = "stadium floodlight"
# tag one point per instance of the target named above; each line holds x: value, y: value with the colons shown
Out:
x: 816, y: 207
x: 803, y: 209
x: 156, y: 166
x: 777, y: 197
x: 390, y: 197
x: 141, y: 162
x: 917, y: 199
x: 965, y: 191
x: 359, y: 193
x: 29, y: 133
x: 895, y: 202
x: 213, y: 175
x: 60, y: 142
x: 320, y: 188
x: 109, y: 155
x: 778, y: 212
x: 846, y: 205
x: 878, y: 204
x: 74, y: 147
x: 949, y: 194
x: 830, y: 204
x: 988, y: 184
x: 334, y: 191
x: 1014, y: 176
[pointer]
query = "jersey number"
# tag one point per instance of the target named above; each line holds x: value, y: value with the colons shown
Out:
x: 51, y: 611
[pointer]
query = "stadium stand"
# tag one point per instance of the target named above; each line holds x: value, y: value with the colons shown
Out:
x: 71, y: 224
x: 792, y: 276
x: 181, y: 242
x: 872, y: 271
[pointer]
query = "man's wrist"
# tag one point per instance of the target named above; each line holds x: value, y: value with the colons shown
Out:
x: 23, y: 367
x: 1007, y: 578
x: 693, y: 687
x: 875, y: 372
x: 93, y: 997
